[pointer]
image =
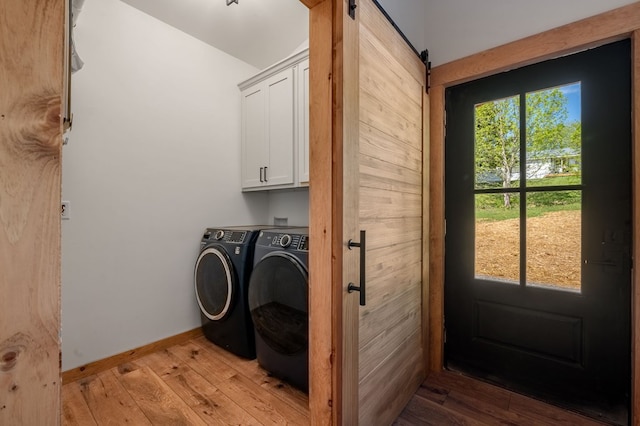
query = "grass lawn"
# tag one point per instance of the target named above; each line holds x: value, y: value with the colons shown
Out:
x: 490, y: 207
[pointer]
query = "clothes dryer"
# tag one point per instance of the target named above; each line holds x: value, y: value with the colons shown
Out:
x: 278, y: 301
x: 221, y: 277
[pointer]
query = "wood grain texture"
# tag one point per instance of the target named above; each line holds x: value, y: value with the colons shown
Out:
x: 258, y: 402
x: 635, y: 306
x: 156, y: 399
x: 397, y: 379
x: 324, y: 328
x: 448, y: 398
x: 75, y: 410
x: 390, y: 196
x: 109, y: 401
x: 376, y: 23
x: 590, y: 32
x: 426, y: 217
x: 436, y: 230
x: 384, y: 147
x: 31, y: 86
x: 346, y: 153
x: 192, y: 383
x: 127, y: 356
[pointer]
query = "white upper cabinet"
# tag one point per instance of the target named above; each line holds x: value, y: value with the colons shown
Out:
x: 303, y: 122
x: 275, y: 128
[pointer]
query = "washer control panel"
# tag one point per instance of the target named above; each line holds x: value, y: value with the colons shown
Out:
x: 227, y: 236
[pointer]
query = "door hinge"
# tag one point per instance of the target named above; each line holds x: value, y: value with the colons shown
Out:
x: 352, y: 9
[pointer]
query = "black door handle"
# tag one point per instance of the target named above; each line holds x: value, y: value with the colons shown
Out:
x: 363, y: 266
x: 261, y: 169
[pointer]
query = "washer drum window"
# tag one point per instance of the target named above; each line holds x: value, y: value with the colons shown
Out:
x: 214, y: 282
x: 278, y: 300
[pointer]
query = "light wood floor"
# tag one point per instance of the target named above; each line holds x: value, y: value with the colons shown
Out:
x: 449, y: 398
x: 195, y: 383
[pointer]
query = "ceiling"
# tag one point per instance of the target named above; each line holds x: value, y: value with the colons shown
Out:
x: 258, y: 32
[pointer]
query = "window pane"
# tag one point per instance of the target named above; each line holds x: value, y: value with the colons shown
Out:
x: 554, y: 136
x: 497, y: 239
x: 554, y: 239
x: 497, y: 143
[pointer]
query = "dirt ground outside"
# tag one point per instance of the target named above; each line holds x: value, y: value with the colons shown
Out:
x: 553, y: 249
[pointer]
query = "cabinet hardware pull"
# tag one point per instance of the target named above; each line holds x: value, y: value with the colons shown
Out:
x: 363, y: 258
x: 265, y: 174
x: 261, y: 168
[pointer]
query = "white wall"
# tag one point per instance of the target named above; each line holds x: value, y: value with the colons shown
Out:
x: 293, y: 204
x: 153, y: 159
x: 453, y: 29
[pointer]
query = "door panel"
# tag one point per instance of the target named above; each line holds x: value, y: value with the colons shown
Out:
x: 568, y: 344
x: 389, y: 194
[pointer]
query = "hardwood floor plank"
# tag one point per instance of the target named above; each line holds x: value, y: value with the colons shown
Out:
x: 156, y: 399
x: 431, y: 413
x: 481, y: 391
x: 551, y: 414
x: 487, y: 413
x: 433, y: 392
x: 213, y: 406
x: 257, y: 401
x: 200, y: 383
x: 252, y: 370
x: 75, y: 410
x: 109, y: 402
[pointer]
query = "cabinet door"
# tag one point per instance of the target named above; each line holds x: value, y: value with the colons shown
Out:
x: 303, y: 122
x: 254, y: 142
x: 280, y: 131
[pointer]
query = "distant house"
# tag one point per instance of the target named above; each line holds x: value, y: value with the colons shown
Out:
x: 539, y: 165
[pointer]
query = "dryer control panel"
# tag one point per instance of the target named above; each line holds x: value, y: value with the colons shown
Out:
x: 284, y: 240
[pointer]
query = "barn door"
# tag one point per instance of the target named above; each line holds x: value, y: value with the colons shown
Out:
x: 383, y: 204
x: 538, y: 208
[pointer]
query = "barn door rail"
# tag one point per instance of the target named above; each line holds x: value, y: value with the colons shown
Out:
x: 363, y: 266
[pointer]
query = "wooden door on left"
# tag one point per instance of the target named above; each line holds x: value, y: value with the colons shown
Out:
x: 31, y: 87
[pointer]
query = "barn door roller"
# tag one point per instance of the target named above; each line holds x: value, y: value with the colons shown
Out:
x: 352, y: 8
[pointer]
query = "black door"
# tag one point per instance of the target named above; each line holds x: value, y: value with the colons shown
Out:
x: 538, y: 228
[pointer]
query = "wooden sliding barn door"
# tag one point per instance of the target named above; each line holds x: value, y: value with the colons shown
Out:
x: 382, y: 207
x: 31, y: 85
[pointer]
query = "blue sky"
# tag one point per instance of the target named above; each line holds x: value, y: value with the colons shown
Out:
x: 572, y: 92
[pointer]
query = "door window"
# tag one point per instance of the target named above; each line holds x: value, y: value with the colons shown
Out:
x: 528, y: 185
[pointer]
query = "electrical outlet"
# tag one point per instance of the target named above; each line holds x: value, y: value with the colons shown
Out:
x: 280, y: 221
x: 65, y: 211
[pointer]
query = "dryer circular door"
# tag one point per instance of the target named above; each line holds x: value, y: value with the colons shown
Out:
x: 278, y: 301
x: 215, y: 280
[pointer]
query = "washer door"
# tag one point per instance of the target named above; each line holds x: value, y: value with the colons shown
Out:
x: 215, y: 280
x: 278, y: 300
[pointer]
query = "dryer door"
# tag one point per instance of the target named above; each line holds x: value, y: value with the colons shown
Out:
x: 215, y: 280
x: 278, y: 300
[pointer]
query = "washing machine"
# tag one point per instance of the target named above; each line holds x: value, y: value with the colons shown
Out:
x: 278, y: 301
x: 221, y: 279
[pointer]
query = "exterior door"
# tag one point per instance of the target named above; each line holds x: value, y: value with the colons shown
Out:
x: 383, y: 196
x: 538, y: 230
